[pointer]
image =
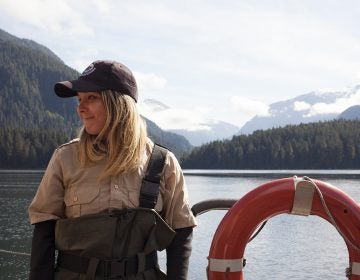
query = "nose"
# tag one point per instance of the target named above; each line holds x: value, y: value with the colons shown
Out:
x: 81, y: 106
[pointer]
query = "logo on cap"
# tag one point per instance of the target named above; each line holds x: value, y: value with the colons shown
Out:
x: 88, y: 70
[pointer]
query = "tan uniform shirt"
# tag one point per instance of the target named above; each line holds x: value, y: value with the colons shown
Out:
x: 67, y: 190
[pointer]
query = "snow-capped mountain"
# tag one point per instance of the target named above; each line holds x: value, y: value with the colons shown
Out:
x: 218, y: 130
x: 311, y: 107
x: 188, y: 123
x: 155, y: 105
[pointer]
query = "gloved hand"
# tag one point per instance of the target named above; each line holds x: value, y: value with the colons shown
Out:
x: 43, y: 251
x: 178, y: 254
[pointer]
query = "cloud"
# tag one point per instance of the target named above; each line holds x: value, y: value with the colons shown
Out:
x: 340, y: 105
x: 248, y: 106
x: 303, y: 49
x: 262, y: 48
x: 301, y: 106
x: 57, y: 17
x: 169, y: 118
x: 149, y: 81
x: 80, y: 63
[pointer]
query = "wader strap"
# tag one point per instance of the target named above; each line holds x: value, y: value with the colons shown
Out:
x: 141, y: 262
x: 150, y: 186
x: 107, y: 269
x: 92, y: 267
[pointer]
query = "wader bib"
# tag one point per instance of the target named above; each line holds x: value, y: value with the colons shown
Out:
x: 120, y: 244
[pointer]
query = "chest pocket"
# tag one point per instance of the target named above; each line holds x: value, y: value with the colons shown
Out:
x: 82, y: 200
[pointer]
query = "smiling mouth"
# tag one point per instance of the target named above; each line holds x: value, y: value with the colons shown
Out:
x: 88, y: 118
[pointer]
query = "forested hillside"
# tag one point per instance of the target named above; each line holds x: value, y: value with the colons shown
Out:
x: 33, y: 121
x: 322, y: 145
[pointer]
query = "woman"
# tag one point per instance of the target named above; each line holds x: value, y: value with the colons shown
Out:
x: 101, y: 173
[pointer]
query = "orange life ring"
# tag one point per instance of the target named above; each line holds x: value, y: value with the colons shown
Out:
x: 276, y: 197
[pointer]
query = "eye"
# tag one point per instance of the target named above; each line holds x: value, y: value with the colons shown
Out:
x: 93, y: 97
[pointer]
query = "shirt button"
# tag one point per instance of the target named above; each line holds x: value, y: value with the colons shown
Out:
x: 75, y: 198
x: 116, y: 186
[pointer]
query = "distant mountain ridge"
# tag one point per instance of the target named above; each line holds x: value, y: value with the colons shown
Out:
x: 304, y: 108
x: 28, y: 72
x: 210, y: 130
x: 26, y: 43
x: 352, y: 113
x: 218, y: 130
x: 298, y: 110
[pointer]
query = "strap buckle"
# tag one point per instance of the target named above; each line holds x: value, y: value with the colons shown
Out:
x: 149, y: 194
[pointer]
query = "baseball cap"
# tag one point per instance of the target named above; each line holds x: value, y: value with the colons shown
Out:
x: 100, y: 75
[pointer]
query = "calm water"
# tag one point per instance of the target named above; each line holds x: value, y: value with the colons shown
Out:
x: 289, y: 247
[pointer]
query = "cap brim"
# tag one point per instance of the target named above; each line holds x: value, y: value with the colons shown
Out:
x: 71, y: 88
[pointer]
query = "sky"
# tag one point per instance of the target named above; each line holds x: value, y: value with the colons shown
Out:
x: 224, y: 60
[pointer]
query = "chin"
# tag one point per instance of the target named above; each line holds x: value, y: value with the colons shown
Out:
x: 90, y: 132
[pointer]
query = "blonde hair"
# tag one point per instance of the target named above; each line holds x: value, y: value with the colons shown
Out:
x: 122, y: 140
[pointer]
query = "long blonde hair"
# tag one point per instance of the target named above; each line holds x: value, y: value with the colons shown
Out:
x: 122, y: 140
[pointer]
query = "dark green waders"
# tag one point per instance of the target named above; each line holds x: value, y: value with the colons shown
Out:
x: 121, y: 244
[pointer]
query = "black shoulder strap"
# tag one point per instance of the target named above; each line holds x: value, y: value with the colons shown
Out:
x: 150, y: 186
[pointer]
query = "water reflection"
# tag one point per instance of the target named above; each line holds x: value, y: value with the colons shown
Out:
x: 16, y: 191
x: 289, y: 247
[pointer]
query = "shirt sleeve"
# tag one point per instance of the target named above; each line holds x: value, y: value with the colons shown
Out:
x: 176, y: 212
x: 48, y: 203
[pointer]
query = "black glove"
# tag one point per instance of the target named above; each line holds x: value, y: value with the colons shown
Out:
x: 178, y: 254
x: 43, y: 251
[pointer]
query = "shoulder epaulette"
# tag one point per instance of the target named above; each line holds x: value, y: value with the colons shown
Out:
x: 73, y: 141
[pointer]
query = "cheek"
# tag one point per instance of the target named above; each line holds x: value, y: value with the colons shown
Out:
x: 102, y: 116
x: 103, y: 121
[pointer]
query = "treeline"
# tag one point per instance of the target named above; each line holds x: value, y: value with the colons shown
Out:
x: 30, y: 148
x: 323, y: 145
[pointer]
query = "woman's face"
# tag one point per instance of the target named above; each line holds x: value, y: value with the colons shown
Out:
x: 91, y: 110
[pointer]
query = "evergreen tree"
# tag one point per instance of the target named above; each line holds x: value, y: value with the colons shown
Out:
x: 322, y: 145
